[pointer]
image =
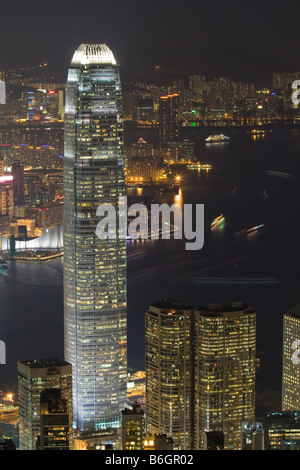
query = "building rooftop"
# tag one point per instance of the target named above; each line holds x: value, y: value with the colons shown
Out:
x: 43, y: 363
x: 282, y: 418
x: 171, y: 304
x: 136, y: 410
x: 93, y: 54
x: 294, y: 311
x: 236, y: 306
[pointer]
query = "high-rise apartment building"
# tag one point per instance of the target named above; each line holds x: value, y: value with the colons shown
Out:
x: 34, y: 377
x: 169, y: 372
x: 197, y: 85
x: 200, y: 372
x: 168, y: 119
x: 6, y: 202
x: 94, y: 269
x: 18, y: 183
x: 6, y: 195
x: 291, y: 360
x: 224, y: 372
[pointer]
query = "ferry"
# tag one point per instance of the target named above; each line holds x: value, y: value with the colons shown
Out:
x: 254, y: 229
x: 218, y: 221
x: 206, y: 167
x: 216, y: 139
x: 198, y: 166
x: 245, y: 232
x: 258, y: 131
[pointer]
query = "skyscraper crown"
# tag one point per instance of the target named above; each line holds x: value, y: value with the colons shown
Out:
x: 93, y: 54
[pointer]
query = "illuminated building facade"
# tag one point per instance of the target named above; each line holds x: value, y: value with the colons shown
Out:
x: 168, y: 119
x: 18, y: 183
x: 169, y: 372
x: 252, y: 435
x: 6, y: 195
x: 133, y: 428
x: 224, y: 371
x: 55, y: 423
x: 282, y: 430
x: 6, y: 204
x: 94, y: 269
x: 109, y: 439
x: 33, y: 378
x: 291, y: 361
x: 145, y: 169
x: 197, y: 86
x: 30, y: 105
x: 158, y: 442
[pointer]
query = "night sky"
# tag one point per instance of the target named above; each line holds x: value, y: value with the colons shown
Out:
x: 145, y: 32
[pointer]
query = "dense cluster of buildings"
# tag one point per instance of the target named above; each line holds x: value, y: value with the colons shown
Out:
x: 200, y: 389
x: 200, y: 362
x: 30, y: 201
x: 198, y: 101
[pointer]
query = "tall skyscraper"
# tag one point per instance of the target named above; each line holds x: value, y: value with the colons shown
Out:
x: 169, y: 372
x: 18, y: 183
x: 94, y: 269
x: 6, y: 195
x: 224, y: 373
x: 34, y: 377
x: 291, y: 360
x: 6, y: 203
x: 168, y: 119
x: 200, y: 372
x: 197, y: 85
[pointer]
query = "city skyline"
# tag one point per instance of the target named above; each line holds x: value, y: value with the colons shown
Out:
x: 119, y: 341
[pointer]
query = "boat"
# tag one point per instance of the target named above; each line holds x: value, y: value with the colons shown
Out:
x: 218, y: 221
x: 206, y: 167
x: 254, y: 229
x: 258, y: 131
x: 217, y: 139
x: 245, y: 232
x: 198, y: 166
